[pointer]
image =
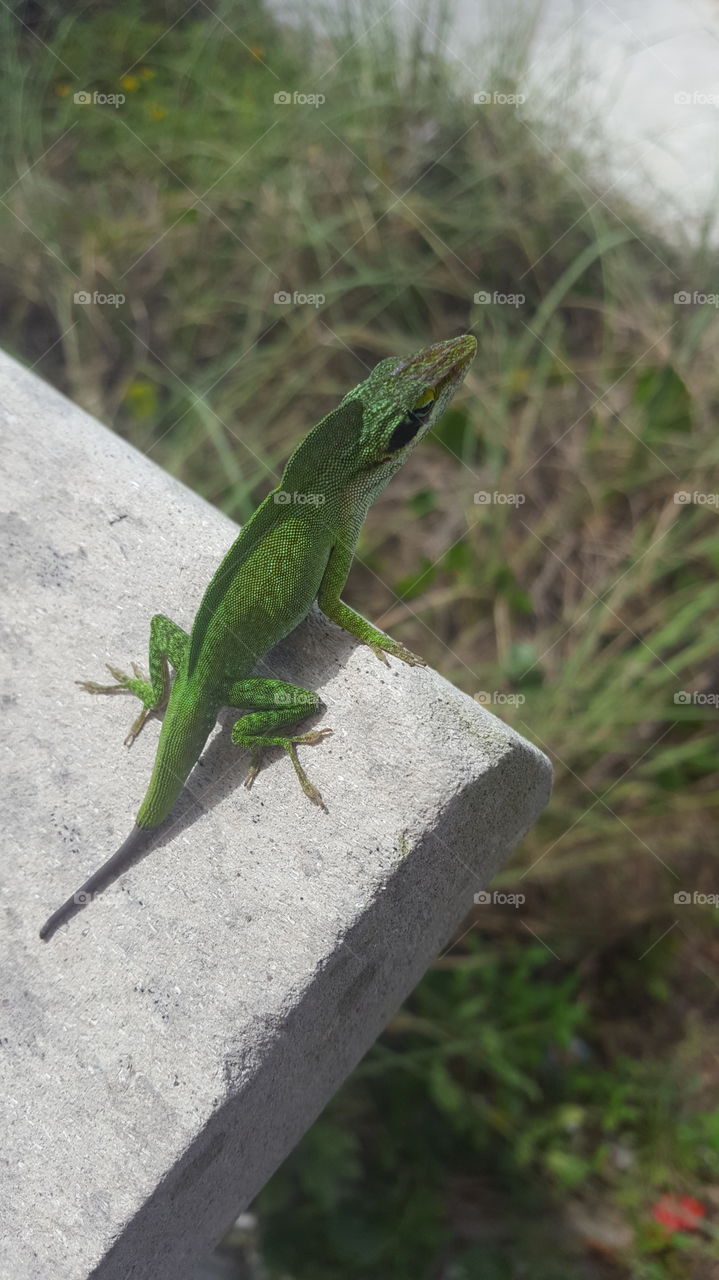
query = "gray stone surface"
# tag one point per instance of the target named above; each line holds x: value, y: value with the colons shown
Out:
x: 164, y: 1052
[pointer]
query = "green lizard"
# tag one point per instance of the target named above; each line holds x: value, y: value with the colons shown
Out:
x: 296, y: 548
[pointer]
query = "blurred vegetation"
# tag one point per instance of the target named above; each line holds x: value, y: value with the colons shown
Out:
x: 556, y: 1071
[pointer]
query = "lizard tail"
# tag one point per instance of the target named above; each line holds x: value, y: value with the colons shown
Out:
x: 139, y: 840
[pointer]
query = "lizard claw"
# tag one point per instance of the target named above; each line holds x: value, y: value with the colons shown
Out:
x: 378, y: 653
x: 412, y: 659
x: 404, y: 655
x: 137, y: 725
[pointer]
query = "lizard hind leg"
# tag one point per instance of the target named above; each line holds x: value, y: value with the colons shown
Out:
x: 168, y: 644
x: 275, y: 705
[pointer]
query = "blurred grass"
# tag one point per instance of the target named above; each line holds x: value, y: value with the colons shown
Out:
x: 523, y: 1074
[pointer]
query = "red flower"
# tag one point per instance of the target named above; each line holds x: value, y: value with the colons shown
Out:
x: 678, y: 1213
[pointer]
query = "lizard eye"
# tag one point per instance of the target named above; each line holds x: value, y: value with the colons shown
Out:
x: 407, y: 429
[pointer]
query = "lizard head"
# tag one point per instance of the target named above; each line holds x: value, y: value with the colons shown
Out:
x: 402, y: 398
x: 356, y: 449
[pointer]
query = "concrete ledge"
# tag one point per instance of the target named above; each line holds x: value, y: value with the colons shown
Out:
x: 166, y: 1050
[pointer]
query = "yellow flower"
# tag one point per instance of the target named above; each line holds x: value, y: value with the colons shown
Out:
x: 155, y: 111
x: 257, y: 51
x: 62, y: 88
x: 130, y: 83
x: 142, y: 399
x: 145, y: 73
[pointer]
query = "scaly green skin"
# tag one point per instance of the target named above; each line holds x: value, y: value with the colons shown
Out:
x: 296, y: 548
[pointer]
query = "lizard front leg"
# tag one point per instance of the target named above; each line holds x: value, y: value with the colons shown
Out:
x: 274, y: 704
x: 328, y: 599
x: 168, y: 644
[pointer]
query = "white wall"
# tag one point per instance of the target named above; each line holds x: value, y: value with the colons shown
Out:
x: 616, y: 64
